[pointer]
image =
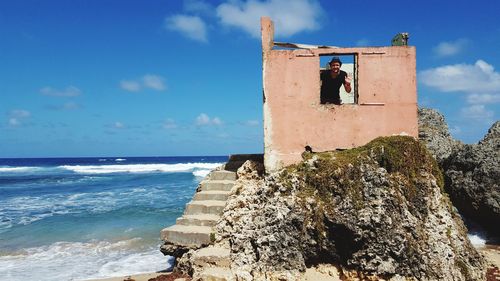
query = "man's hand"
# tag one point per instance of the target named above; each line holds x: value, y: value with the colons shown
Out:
x: 347, y: 84
x: 347, y: 81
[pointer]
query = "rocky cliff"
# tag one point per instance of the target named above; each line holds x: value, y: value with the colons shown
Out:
x: 378, y: 210
x: 472, y: 175
x: 472, y: 171
x: 433, y: 132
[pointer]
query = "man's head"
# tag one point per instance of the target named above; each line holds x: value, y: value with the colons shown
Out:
x: 335, y: 64
x: 336, y: 59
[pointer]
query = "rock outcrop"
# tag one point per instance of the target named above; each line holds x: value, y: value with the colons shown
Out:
x: 433, y: 131
x: 375, y: 210
x: 472, y: 176
x: 472, y: 171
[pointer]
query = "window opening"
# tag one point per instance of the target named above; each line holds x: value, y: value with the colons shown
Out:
x: 330, y: 86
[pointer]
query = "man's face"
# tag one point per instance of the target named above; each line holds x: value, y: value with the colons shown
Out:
x: 335, y: 67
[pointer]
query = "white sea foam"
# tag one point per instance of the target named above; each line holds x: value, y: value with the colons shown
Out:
x: 139, y: 168
x: 120, y: 159
x: 25, y: 210
x: 18, y: 169
x: 82, y: 261
x: 476, y: 240
x: 201, y: 173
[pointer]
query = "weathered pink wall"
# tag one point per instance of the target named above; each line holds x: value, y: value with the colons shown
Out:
x: 294, y: 117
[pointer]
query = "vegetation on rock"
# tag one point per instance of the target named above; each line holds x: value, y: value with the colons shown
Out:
x: 378, y: 209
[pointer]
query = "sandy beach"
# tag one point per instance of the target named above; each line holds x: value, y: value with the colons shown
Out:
x: 490, y: 252
x: 137, y: 277
x: 157, y: 276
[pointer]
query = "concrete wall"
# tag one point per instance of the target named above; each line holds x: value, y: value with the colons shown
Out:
x: 294, y: 117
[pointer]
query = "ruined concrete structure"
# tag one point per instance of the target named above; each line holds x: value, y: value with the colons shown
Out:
x: 386, y: 98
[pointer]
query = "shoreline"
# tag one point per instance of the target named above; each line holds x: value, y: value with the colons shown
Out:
x: 491, y: 253
x: 135, y: 277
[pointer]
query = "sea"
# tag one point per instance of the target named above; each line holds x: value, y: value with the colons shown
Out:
x: 88, y: 218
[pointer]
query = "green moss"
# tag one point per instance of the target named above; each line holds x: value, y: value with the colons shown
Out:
x: 340, y: 172
x: 212, y: 237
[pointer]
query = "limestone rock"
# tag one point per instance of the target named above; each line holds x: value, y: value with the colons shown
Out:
x: 433, y: 131
x: 250, y: 170
x: 378, y: 209
x: 473, y: 179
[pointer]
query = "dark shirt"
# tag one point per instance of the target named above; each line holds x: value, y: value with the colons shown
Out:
x: 330, y: 87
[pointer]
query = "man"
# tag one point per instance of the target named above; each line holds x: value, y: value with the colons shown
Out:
x: 332, y: 80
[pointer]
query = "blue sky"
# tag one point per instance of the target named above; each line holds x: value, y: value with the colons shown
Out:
x: 167, y: 78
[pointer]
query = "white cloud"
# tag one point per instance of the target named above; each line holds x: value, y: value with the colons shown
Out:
x: 198, y: 6
x: 151, y: 81
x: 204, y: 120
x: 70, y: 106
x: 483, y: 98
x: 154, y: 82
x: 70, y: 91
x: 130, y: 85
x: 20, y: 113
x: 478, y: 112
x: 477, y: 78
x: 17, y: 116
x: 66, y: 106
x: 479, y: 82
x: 252, y: 123
x: 289, y: 16
x: 14, y: 122
x: 216, y: 121
x: 455, y: 130
x: 169, y: 124
x: 118, y: 125
x: 192, y: 27
x: 446, y: 49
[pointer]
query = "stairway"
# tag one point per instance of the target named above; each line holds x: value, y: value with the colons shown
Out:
x: 212, y: 264
x: 195, y: 228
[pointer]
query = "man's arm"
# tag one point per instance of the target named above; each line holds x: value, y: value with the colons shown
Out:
x: 347, y: 84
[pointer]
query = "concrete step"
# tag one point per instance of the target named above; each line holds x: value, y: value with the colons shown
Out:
x: 223, y: 175
x: 212, y: 256
x: 211, y: 195
x: 213, y: 207
x: 215, y: 274
x: 187, y: 235
x: 221, y: 185
x: 201, y: 219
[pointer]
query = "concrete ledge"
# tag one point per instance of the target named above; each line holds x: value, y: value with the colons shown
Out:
x: 223, y: 175
x: 215, y: 274
x: 213, y: 207
x: 201, y: 220
x: 213, y: 256
x: 221, y: 185
x: 187, y: 235
x: 212, y: 195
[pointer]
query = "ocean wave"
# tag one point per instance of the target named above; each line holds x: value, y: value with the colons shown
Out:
x: 139, y: 168
x: 82, y: 260
x: 19, y: 169
x: 120, y: 159
x: 476, y: 240
x: 27, y: 209
x: 24, y: 210
x: 201, y: 173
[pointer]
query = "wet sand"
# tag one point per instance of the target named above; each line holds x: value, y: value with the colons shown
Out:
x: 136, y: 277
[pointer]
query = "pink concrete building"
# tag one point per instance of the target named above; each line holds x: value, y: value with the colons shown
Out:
x: 385, y: 98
